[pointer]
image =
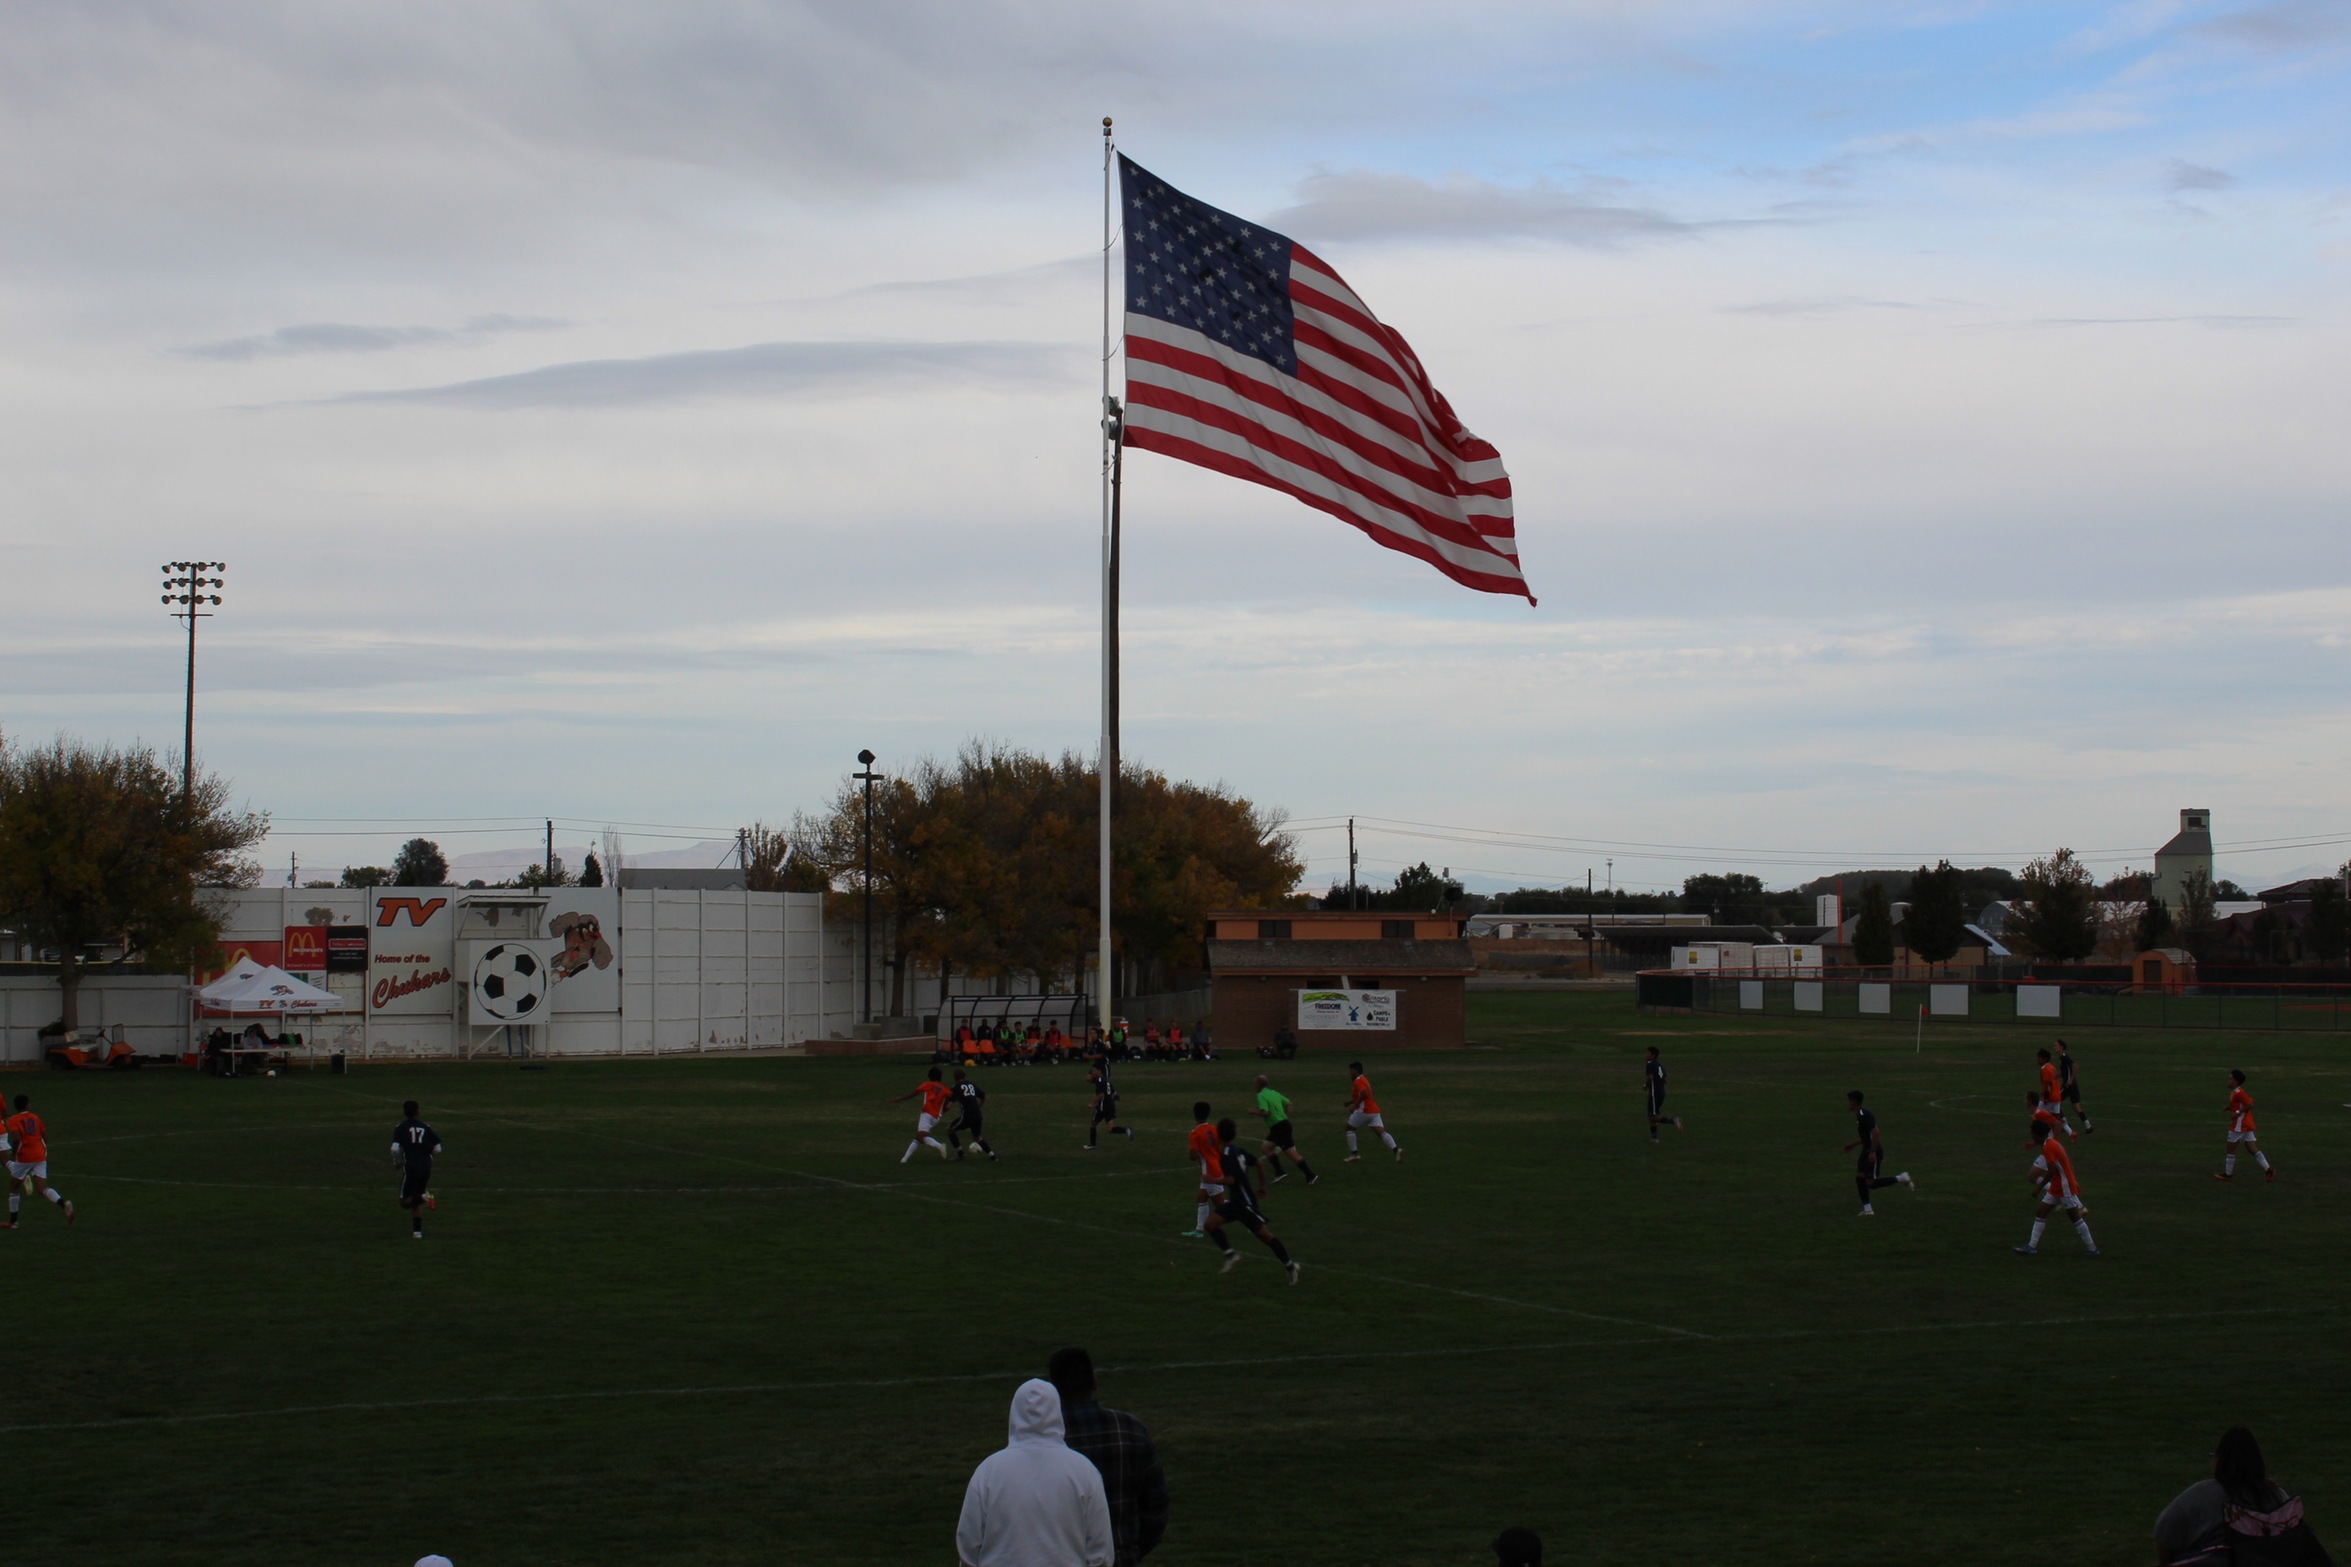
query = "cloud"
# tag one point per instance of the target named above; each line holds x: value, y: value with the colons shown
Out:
x: 336, y: 337
x: 2224, y: 322
x: 2183, y: 175
x: 1818, y: 307
x: 2282, y: 25
x: 1363, y: 205
x: 802, y: 369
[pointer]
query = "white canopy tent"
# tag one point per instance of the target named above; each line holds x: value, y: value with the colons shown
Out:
x: 260, y: 987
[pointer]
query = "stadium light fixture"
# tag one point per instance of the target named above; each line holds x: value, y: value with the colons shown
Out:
x: 188, y: 584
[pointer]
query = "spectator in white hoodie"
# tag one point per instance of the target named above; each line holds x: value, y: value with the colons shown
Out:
x: 1036, y: 1503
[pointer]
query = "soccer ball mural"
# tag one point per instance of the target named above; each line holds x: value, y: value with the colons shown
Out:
x: 510, y: 983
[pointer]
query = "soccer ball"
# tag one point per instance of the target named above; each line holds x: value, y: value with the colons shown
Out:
x: 272, y: 1072
x: 510, y: 982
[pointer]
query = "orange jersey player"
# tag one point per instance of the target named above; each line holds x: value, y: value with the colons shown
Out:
x: 1204, y: 1146
x: 2053, y: 1094
x: 2241, y: 1130
x: 934, y: 1095
x: 27, y: 1143
x: 2060, y: 1188
x: 1363, y: 1111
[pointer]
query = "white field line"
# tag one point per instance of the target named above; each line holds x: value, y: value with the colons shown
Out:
x: 944, y: 1379
x: 811, y: 1185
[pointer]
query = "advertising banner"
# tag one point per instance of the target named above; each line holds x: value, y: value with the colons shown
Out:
x: 346, y: 949
x: 306, y: 949
x: 231, y: 953
x: 411, y: 954
x: 1352, y: 1009
x: 586, y: 920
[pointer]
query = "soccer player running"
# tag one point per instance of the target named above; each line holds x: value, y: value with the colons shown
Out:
x: 2053, y: 1095
x: 2070, y: 1085
x: 2240, y: 1131
x: 414, y: 1144
x: 969, y: 1096
x: 934, y: 1097
x: 1873, y: 1156
x: 1105, y: 1104
x: 1653, y: 1081
x: 1363, y: 1111
x: 27, y: 1143
x: 1274, y: 1107
x: 2054, y: 1179
x: 1206, y: 1147
x: 1240, y: 1203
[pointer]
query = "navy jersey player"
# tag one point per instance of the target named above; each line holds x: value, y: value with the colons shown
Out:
x: 1653, y: 1083
x: 1866, y: 1178
x: 969, y: 1097
x: 1239, y: 1202
x: 1105, y: 1103
x: 414, y: 1144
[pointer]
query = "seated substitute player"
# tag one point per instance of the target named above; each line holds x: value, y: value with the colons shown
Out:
x: 1105, y: 1095
x: 2054, y: 1179
x: 1280, y: 1137
x: 2241, y: 1130
x: 1240, y: 1203
x: 1873, y: 1155
x: 1653, y: 1081
x: 2053, y: 1095
x: 969, y: 1096
x: 415, y: 1144
x: 1364, y: 1111
x: 2070, y: 1085
x: 1203, y: 1144
x: 27, y: 1142
x: 934, y: 1104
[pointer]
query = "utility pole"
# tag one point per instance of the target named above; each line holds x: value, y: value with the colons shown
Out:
x: 1612, y: 877
x: 185, y: 584
x: 547, y: 866
x: 1354, y: 898
x: 865, y: 986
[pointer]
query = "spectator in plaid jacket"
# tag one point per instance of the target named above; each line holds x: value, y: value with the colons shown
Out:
x: 1121, y: 1448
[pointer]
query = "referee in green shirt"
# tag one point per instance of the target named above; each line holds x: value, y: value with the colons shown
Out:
x: 1279, y: 1139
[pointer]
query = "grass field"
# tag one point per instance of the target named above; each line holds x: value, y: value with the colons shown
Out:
x: 695, y: 1311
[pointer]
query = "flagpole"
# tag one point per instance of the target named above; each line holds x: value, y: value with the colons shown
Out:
x: 1108, y: 755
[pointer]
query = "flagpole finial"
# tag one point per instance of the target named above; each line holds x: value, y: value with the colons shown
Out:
x: 1106, y: 127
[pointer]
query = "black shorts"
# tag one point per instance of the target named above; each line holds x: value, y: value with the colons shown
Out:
x: 1279, y: 1134
x: 1240, y: 1207
x: 968, y: 1123
x: 2071, y: 1093
x: 1867, y: 1166
x: 1106, y: 1108
x: 1656, y: 1100
x: 413, y: 1181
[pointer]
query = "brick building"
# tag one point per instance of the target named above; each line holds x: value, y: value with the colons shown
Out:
x: 1268, y: 967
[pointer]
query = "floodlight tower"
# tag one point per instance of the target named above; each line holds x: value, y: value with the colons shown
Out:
x: 185, y: 584
x: 869, y: 777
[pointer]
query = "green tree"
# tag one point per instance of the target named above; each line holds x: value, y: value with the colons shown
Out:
x: 1873, y: 928
x: 98, y: 847
x: 366, y: 876
x: 592, y: 872
x: 1937, y: 920
x: 420, y: 863
x: 2057, y: 909
x: 2197, y: 927
x: 1419, y: 890
x: 1733, y: 899
x: 2327, y: 932
x: 2154, y: 927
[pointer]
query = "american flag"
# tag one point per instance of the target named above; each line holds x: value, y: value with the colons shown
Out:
x: 1248, y: 354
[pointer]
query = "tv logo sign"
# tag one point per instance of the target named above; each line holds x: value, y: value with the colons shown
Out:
x: 418, y: 910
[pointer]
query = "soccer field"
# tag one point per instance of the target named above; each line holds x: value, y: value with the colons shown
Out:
x: 696, y: 1311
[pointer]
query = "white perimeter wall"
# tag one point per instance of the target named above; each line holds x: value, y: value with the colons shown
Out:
x: 698, y: 971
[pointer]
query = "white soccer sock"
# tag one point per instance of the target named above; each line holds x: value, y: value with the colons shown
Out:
x: 2068, y: 1125
x: 1385, y: 1138
x: 1351, y: 1141
x: 910, y: 1148
x: 1200, y: 1217
x: 934, y: 1142
x: 54, y: 1195
x: 2038, y: 1226
x: 13, y: 1200
x: 2081, y: 1227
x: 2261, y: 1158
x: 2228, y: 1166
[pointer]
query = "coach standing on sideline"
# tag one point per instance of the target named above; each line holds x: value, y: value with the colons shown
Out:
x: 1034, y: 1503
x: 1121, y: 1448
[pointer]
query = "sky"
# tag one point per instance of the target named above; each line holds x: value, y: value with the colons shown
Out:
x: 1926, y: 420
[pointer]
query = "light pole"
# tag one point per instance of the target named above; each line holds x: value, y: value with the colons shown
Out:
x: 865, y: 987
x: 184, y: 584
